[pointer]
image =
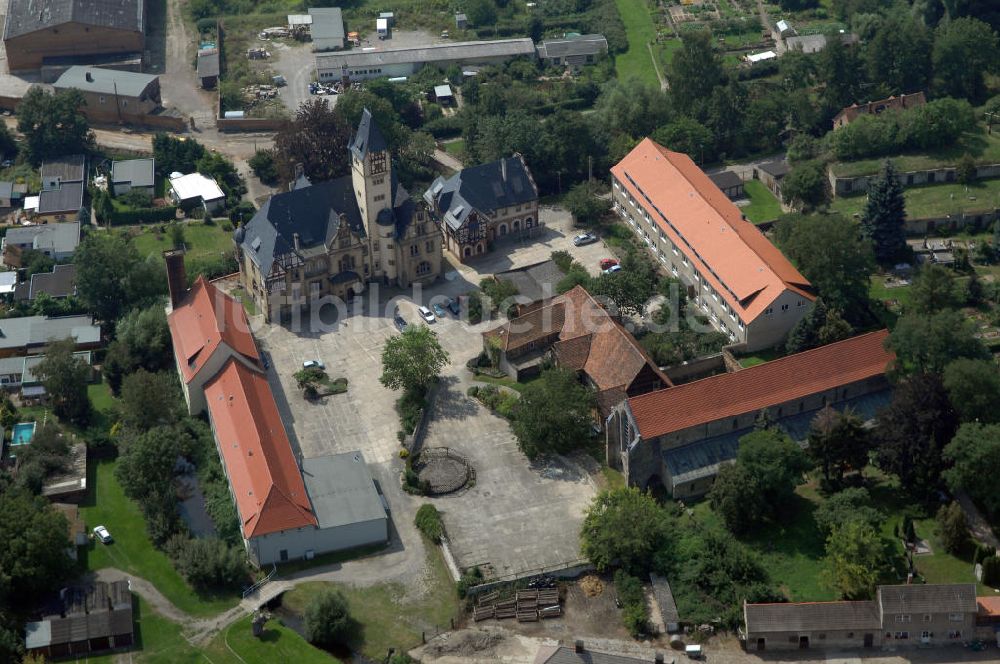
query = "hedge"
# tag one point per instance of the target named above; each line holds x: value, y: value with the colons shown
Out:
x: 143, y: 216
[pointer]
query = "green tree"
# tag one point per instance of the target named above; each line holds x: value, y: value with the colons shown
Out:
x: 843, y: 507
x: 856, y: 560
x: 413, y: 359
x: 481, y: 13
x: 47, y: 454
x: 111, y: 278
x: 934, y: 288
x: 146, y: 472
x: 142, y: 340
x: 553, y: 414
x: 316, y: 139
x: 806, y: 185
x: 33, y: 556
x: 687, y: 136
x: 53, y: 125
x: 965, y: 170
x: 583, y: 203
x: 842, y: 71
x: 428, y: 521
x: 327, y: 619
x: 694, y: 72
x: 929, y: 342
x: 635, y: 611
x: 965, y: 51
x: 775, y: 461
x: 833, y: 256
x: 65, y: 378
x: 973, y: 457
x: 736, y: 497
x: 898, y: 55
x: 35, y: 262
x: 912, y: 431
x: 628, y: 528
x: 838, y: 442
x: 818, y: 327
x: 210, y: 563
x: 150, y: 400
x: 884, y: 214
x: 953, y: 529
x: 974, y: 389
x: 8, y: 146
x: 264, y: 167
x: 176, y: 154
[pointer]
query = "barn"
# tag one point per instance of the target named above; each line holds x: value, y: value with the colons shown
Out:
x: 36, y: 33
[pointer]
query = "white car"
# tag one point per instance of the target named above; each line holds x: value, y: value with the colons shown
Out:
x: 612, y: 269
x: 102, y: 534
x: 313, y: 364
x: 426, y: 314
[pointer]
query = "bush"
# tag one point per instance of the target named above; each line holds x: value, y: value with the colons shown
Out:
x: 952, y: 527
x: 264, y: 167
x: 991, y: 571
x: 143, y: 215
x: 469, y: 579
x: 428, y: 521
x: 472, y: 391
x: 327, y: 620
x: 209, y: 563
x: 410, y: 406
x: 635, y: 613
x: 413, y: 484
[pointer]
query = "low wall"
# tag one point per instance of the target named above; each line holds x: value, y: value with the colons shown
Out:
x: 699, y: 367
x: 567, y: 570
x: 845, y: 186
x: 968, y: 220
x: 414, y: 441
x: 250, y: 124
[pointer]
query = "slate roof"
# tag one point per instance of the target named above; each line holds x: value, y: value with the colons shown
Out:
x: 60, y: 282
x: 137, y: 172
x: 58, y: 238
x: 341, y: 490
x: 484, y: 188
x: 765, y: 385
x: 573, y: 46
x: 725, y: 179
x: 105, y: 81
x: 811, y: 616
x: 928, y: 598
x: 25, y: 331
x: 26, y: 16
x: 368, y: 138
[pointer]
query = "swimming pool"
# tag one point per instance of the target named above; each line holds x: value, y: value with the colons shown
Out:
x: 23, y: 432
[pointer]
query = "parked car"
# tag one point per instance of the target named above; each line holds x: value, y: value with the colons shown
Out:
x: 614, y: 268
x: 438, y: 310
x: 426, y: 314
x: 453, y: 306
x: 313, y: 364
x: 608, y: 262
x: 399, y: 322
x: 101, y: 533
x: 584, y: 238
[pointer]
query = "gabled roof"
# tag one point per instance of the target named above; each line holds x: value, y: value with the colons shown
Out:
x: 204, y: 319
x: 263, y: 475
x: 811, y: 616
x: 765, y: 385
x: 60, y: 282
x: 484, y: 188
x: 928, y: 598
x: 105, y: 81
x: 25, y: 16
x: 61, y: 238
x: 732, y: 255
x: 326, y: 23
x: 368, y: 138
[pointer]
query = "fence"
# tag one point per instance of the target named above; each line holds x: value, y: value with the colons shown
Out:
x: 249, y: 590
x: 567, y: 570
x: 414, y: 441
x: 250, y: 124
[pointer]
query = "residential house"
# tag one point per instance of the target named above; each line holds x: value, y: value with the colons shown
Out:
x: 988, y: 619
x: 8, y: 283
x: 572, y: 51
x: 58, y: 284
x: 851, y: 113
x: 326, y: 28
x: 208, y: 68
x: 680, y: 436
x: 85, y: 621
x: 11, y: 194
x: 57, y: 241
x: 772, y: 174
x: 900, y: 616
x: 113, y: 95
x: 482, y: 204
x: 728, y: 183
x: 196, y: 190
x: 330, y: 239
x: 133, y: 175
x: 35, y: 34
x: 534, y: 283
x: 30, y: 335
x: 17, y: 373
x: 578, y: 334
x: 63, y: 185
x: 733, y: 274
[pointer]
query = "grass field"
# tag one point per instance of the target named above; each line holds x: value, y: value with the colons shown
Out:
x: 456, y: 147
x: 764, y: 206
x: 636, y: 62
x: 132, y: 550
x: 935, y: 200
x: 665, y: 51
x: 985, y: 148
x: 388, y: 616
x: 203, y: 242
x: 880, y: 292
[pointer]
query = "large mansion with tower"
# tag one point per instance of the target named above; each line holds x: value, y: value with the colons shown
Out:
x: 332, y: 238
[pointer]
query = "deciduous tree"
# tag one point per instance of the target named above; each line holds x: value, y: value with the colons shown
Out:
x: 974, y: 459
x: 856, y: 560
x: 150, y: 399
x: 965, y: 51
x: 317, y: 140
x: 851, y: 504
x: 327, y: 619
x: 953, y: 529
x: 413, y: 359
x: 628, y: 528
x: 736, y: 497
x: 694, y: 72
x: 934, y: 288
x: 838, y: 442
x: 974, y: 389
x: 33, y: 556
x: 53, y: 125
x: 112, y: 278
x: 929, y: 342
x: 65, y: 379
x: 553, y: 414
x: 806, y: 185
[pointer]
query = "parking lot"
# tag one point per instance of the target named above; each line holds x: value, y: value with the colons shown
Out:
x: 516, y: 517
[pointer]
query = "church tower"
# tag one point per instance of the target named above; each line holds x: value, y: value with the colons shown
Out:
x: 371, y: 171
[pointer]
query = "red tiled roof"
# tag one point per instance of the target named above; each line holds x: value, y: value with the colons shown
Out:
x: 989, y: 606
x: 749, y: 390
x: 901, y: 102
x: 731, y: 253
x: 263, y: 474
x: 204, y: 319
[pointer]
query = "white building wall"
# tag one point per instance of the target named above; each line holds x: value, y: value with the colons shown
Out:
x: 267, y: 549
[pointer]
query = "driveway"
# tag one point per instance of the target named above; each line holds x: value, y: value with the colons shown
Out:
x: 297, y: 63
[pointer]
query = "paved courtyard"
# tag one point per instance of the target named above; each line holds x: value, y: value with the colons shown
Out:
x: 516, y: 517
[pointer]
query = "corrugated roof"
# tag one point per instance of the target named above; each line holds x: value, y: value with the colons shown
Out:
x: 731, y: 254
x: 750, y: 390
x: 928, y: 598
x: 263, y: 475
x: 341, y: 490
x: 105, y: 81
x: 435, y: 53
x: 35, y: 330
x: 206, y: 318
x: 573, y: 46
x: 811, y: 616
x: 25, y: 16
x: 327, y: 23
x: 71, y: 168
x: 67, y: 198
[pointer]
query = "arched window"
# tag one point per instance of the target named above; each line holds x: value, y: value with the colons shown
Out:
x: 467, y: 252
x: 528, y: 222
x: 503, y: 229
x: 517, y: 224
x: 480, y: 248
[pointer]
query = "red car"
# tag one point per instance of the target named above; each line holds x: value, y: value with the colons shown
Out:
x: 608, y: 262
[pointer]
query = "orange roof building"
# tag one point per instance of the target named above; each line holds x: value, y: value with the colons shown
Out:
x: 683, y: 434
x: 739, y: 280
x: 849, y: 114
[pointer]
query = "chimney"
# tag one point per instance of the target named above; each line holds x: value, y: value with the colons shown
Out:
x: 89, y: 76
x: 579, y: 646
x: 176, y: 276
x: 295, y: 241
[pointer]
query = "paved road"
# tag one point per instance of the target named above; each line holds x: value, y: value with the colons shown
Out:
x: 179, y: 84
x: 447, y: 160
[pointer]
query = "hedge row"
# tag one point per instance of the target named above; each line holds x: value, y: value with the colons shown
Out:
x: 143, y: 216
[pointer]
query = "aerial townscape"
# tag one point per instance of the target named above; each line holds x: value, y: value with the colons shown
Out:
x: 520, y: 331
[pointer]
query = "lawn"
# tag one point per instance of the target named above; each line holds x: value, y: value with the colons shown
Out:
x: 935, y: 200
x: 456, y: 147
x: 132, y: 550
x: 665, y: 51
x: 882, y: 293
x: 760, y: 357
x: 388, y: 615
x: 985, y: 148
x: 203, y: 241
x: 636, y: 62
x: 506, y: 382
x: 764, y: 206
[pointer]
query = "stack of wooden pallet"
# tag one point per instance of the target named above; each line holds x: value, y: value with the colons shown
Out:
x: 548, y: 603
x: 526, y: 605
x: 506, y: 609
